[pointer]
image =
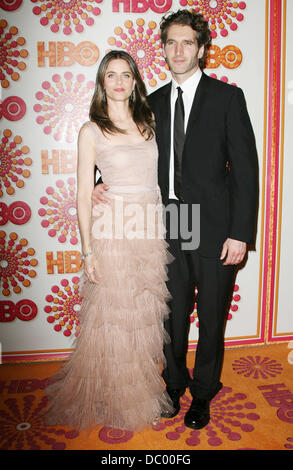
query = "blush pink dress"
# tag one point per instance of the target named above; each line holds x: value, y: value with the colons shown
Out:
x: 113, y: 377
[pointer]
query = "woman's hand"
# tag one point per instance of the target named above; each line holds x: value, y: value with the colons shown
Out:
x: 90, y: 269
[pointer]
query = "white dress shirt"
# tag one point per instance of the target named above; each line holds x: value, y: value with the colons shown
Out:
x: 189, y: 88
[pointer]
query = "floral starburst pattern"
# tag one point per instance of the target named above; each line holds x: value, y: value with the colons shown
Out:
x: 63, y: 106
x: 231, y: 415
x: 12, y: 163
x: 16, y: 263
x: 69, y: 15
x: 63, y: 306
x: 60, y: 215
x: 143, y: 43
x: 221, y: 15
x: 11, y: 54
x: 257, y: 367
x: 232, y: 309
x: 22, y: 426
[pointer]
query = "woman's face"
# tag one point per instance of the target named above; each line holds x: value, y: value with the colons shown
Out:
x: 118, y: 81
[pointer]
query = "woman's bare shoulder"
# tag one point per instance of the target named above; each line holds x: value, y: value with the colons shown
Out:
x: 89, y: 129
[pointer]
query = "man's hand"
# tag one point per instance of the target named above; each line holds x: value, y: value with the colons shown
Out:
x: 98, y: 194
x: 235, y: 249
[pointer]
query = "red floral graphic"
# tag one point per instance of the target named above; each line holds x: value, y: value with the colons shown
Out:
x: 220, y: 14
x: 12, y: 160
x: 22, y: 426
x: 114, y: 436
x: 61, y: 213
x: 72, y: 13
x: 15, y: 263
x: 231, y: 415
x: 64, y: 105
x: 257, y: 367
x: 63, y: 306
x: 12, y: 108
x: 10, y: 53
x: 144, y: 45
x: 10, y: 5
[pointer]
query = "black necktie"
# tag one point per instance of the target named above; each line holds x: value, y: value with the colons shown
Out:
x: 179, y: 137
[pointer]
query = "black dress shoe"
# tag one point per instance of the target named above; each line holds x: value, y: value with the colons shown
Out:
x: 175, y: 395
x: 198, y: 415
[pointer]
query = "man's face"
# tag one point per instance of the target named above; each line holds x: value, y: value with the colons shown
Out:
x: 182, y: 52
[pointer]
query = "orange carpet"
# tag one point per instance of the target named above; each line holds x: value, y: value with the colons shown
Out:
x: 253, y: 411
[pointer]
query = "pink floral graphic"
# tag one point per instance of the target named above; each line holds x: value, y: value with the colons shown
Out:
x: 63, y: 306
x: 60, y: 213
x: 64, y: 105
x: 15, y: 263
x: 220, y: 14
x: 232, y: 309
x: 114, y: 436
x: 22, y: 427
x: 231, y: 415
x: 257, y: 367
x: 144, y: 45
x: 223, y: 79
x: 12, y: 161
x: 74, y: 14
x: 10, y: 53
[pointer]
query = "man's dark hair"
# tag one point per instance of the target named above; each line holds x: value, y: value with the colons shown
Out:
x: 196, y: 21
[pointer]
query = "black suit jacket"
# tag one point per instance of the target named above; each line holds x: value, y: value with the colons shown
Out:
x: 219, y: 162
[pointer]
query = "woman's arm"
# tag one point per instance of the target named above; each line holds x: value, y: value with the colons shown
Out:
x: 85, y: 184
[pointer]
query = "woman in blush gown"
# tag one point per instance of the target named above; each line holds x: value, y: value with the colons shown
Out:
x: 113, y: 377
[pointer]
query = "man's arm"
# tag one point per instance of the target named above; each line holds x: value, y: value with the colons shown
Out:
x: 243, y: 175
x: 243, y: 180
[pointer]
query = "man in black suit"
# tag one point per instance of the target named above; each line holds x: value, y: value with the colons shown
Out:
x: 207, y: 156
x: 213, y: 162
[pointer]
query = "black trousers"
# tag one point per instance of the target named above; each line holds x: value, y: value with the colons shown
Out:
x: 214, y: 283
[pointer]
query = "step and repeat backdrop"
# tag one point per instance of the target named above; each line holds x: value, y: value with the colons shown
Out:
x: 49, y: 55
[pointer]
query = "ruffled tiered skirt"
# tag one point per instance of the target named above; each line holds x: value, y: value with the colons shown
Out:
x: 113, y: 377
